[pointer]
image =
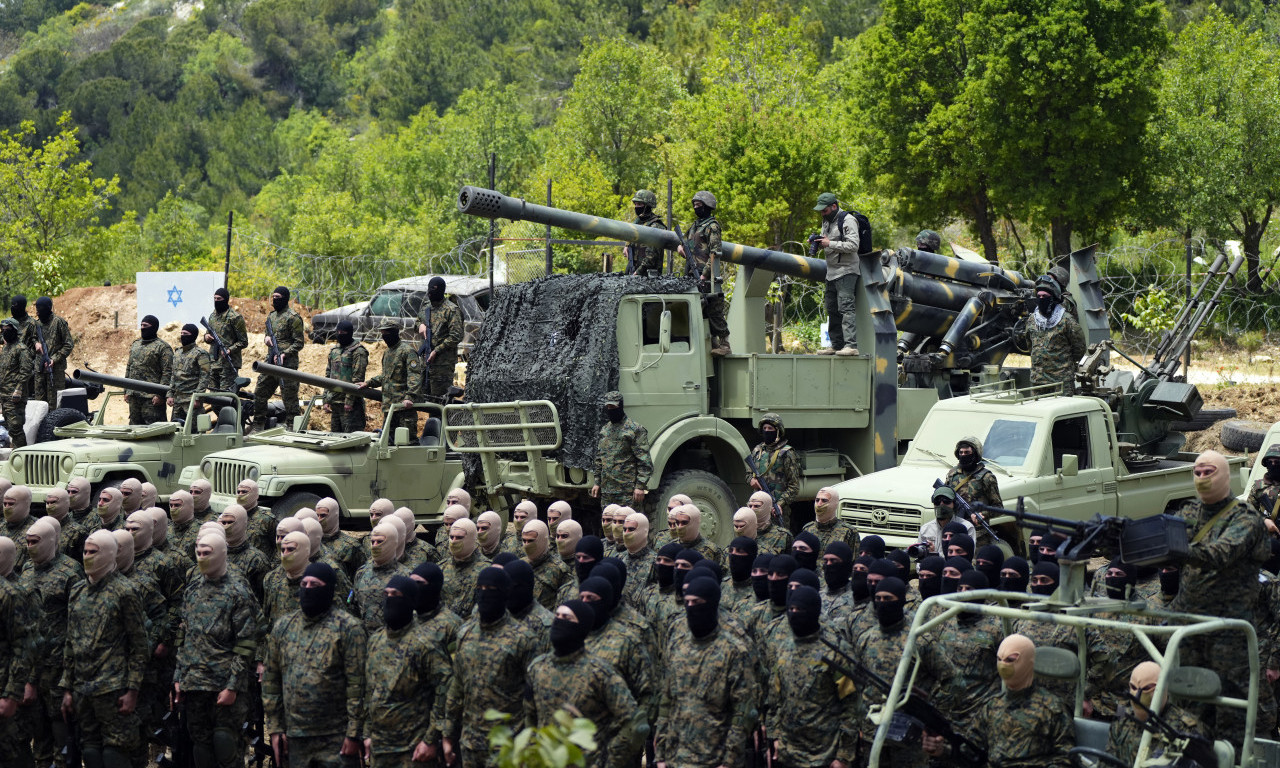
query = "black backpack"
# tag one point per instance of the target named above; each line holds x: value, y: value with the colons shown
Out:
x: 864, y: 229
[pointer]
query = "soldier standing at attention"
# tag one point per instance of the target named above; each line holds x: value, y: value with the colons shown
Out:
x: 704, y: 237
x: 150, y: 359
x: 972, y: 481
x: 445, y: 322
x: 777, y: 464
x: 191, y: 367
x: 1264, y: 496
x: 289, y: 336
x: 229, y: 325
x: 827, y: 525
x: 401, y: 377
x: 58, y: 343
x: 348, y: 361
x: 622, y: 463
x: 15, y: 372
x: 646, y: 261
x: 1054, y: 337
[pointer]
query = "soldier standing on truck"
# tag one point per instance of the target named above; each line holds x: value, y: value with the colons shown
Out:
x: 58, y: 344
x: 776, y: 463
x: 150, y: 359
x: 840, y: 246
x: 229, y: 325
x: 1054, y: 338
x: 972, y: 481
x: 401, y: 377
x: 348, y: 361
x: 191, y: 367
x: 622, y: 463
x: 645, y: 260
x: 285, y: 338
x: 444, y: 321
x: 704, y: 240
x: 1265, y: 493
x: 15, y: 372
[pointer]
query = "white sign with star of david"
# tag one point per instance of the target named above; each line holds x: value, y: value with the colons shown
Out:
x: 177, y: 297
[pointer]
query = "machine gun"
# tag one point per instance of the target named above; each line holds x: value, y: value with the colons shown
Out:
x: 46, y: 362
x: 966, y: 510
x: 1193, y: 315
x: 764, y: 486
x: 273, y: 349
x: 1195, y: 751
x: 963, y: 751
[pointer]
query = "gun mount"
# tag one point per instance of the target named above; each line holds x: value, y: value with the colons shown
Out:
x: 323, y: 382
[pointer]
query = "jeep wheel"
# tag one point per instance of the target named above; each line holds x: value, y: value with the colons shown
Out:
x: 292, y: 502
x: 709, y: 493
x: 58, y: 417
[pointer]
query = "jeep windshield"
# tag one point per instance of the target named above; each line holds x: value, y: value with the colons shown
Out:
x: 1006, y: 440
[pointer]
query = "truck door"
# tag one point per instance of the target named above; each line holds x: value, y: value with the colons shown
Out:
x: 1079, y: 496
x: 673, y: 379
x: 410, y: 475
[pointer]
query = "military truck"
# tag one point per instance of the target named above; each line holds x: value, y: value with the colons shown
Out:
x: 106, y: 454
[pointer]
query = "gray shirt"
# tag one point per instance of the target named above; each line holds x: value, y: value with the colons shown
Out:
x: 842, y: 254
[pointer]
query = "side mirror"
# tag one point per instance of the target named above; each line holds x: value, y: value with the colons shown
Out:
x: 1070, y: 465
x: 401, y: 436
x: 203, y: 422
x: 297, y: 424
x: 664, y: 331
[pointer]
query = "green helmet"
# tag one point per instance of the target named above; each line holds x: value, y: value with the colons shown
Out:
x: 928, y: 240
x: 706, y: 198
x: 646, y: 197
x: 1059, y: 275
x: 1048, y: 283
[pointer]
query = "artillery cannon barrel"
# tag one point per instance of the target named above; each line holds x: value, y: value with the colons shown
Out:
x: 973, y: 309
x: 972, y: 272
x: 323, y: 382
x: 135, y: 385
x: 490, y: 204
x: 1183, y: 335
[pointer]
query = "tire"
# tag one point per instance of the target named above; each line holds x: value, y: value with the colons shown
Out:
x: 709, y: 493
x: 1206, y: 418
x: 58, y: 417
x: 291, y: 502
x: 1242, y: 435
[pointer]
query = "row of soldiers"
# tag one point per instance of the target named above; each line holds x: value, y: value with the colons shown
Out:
x: 33, y: 361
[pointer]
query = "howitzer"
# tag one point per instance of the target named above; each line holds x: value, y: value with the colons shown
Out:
x: 967, y: 511
x: 46, y: 362
x: 964, y: 752
x: 764, y: 486
x: 273, y: 349
x: 322, y: 382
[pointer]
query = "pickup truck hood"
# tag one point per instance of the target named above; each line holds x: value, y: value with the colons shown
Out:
x: 892, y: 503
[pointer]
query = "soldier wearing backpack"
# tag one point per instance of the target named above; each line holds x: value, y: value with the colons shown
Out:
x: 841, y: 241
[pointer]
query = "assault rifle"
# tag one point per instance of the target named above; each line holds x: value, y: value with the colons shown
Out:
x: 46, y: 362
x: 71, y: 750
x: 424, y: 349
x: 964, y: 752
x: 688, y: 253
x: 256, y: 732
x: 1194, y: 750
x: 176, y: 737
x: 967, y: 511
x: 219, y: 345
x: 273, y: 349
x: 764, y: 486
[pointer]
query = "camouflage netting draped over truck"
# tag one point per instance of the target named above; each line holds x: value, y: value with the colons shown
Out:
x: 555, y: 339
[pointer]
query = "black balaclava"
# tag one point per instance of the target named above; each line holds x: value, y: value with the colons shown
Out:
x: 804, y: 611
x: 599, y: 585
x: 502, y: 559
x: 1272, y: 465
x: 435, y: 290
x: 491, y: 604
x: 18, y: 307
x: 760, y: 584
x: 44, y: 308
x: 891, y: 613
x: 965, y: 542
x: 858, y: 579
x: 149, y: 333
x: 690, y: 556
x: 615, y: 413
x: 282, y: 303
x: 837, y: 574
x: 345, y: 333
x: 390, y: 337
x: 975, y: 579
x: 10, y: 333
x: 568, y: 637
x: 707, y: 567
x: 189, y: 334
x: 769, y: 432
x: 221, y: 300
x: 968, y: 461
x: 1052, y: 540
x: 960, y: 564
x: 615, y: 571
x: 700, y: 211
x: 807, y: 559
x: 520, y: 596
x: 316, y: 600
x: 667, y: 573
x: 803, y: 577
x: 994, y: 557
x: 398, y: 611
x: 1170, y: 580
x: 931, y: 585
x: 740, y: 565
x: 872, y: 545
x: 951, y: 529
x: 783, y: 565
x: 1019, y: 584
x: 1045, y: 302
x: 703, y: 619
x: 884, y: 568
x: 429, y: 593
x: 900, y: 558
x: 1037, y: 536
x: 1118, y: 587
x: 592, y: 547
x: 1045, y: 568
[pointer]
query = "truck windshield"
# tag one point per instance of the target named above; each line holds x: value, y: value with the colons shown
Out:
x: 395, y: 304
x: 1005, y: 440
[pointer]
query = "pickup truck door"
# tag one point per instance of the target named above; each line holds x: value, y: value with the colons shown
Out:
x: 1082, y: 495
x: 410, y: 475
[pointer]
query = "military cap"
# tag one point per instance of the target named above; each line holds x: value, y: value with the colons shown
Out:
x: 944, y: 492
x: 825, y: 199
x: 612, y: 397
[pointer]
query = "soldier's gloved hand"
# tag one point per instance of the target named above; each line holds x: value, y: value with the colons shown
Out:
x: 127, y: 703
x: 406, y: 402
x: 431, y: 358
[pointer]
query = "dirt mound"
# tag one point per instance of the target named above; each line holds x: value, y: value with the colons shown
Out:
x: 1257, y: 402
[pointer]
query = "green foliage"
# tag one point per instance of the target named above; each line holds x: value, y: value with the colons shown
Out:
x: 1154, y: 311
x: 46, y: 274
x: 561, y: 744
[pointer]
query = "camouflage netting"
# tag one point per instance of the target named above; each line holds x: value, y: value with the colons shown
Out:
x: 554, y: 339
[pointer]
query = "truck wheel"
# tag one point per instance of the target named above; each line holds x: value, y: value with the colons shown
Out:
x: 58, y: 417
x: 292, y: 502
x: 1241, y: 435
x: 1206, y: 418
x: 709, y: 493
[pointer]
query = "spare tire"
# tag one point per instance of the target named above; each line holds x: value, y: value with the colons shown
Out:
x: 58, y: 417
x: 1206, y: 418
x: 1242, y: 435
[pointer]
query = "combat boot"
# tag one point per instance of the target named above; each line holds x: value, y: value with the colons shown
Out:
x: 826, y: 351
x: 720, y: 346
x: 848, y: 351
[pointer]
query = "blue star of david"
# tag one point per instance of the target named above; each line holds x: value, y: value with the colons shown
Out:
x: 175, y: 296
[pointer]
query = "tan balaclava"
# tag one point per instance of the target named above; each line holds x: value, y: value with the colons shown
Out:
x: 138, y: 524
x: 384, y: 541
x: 247, y: 494
x: 568, y: 533
x: 491, y: 538
x: 825, y: 509
x: 607, y: 517
x: 327, y: 511
x: 213, y: 526
x: 461, y: 498
x: 42, y: 540
x: 528, y: 509
x: 762, y: 504
x: 131, y: 490
x: 307, y: 513
x: 398, y: 524
x: 57, y: 504
x: 111, y: 510
x: 539, y: 546
x: 1213, y: 477
x: 17, y: 505
x: 287, y: 526
x: 620, y: 516
x: 1142, y: 686
x: 81, y: 499
x: 639, y: 538
x: 201, y: 500
x: 1016, y: 662
x: 379, y: 509
x: 678, y: 500
x: 405, y: 515
x: 159, y: 526
x: 182, y: 508
x: 124, y: 550
x: 295, y: 554
x: 744, y: 522
x: 558, y: 512
x: 99, y: 555
x: 235, y: 521
x: 455, y: 512
x: 211, y: 556
x: 8, y: 556
x: 315, y: 535
x: 461, y: 548
x: 149, y: 496
x: 694, y: 529
x: 5, y: 485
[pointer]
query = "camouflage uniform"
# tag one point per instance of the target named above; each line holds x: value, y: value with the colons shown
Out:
x: 779, y: 468
x: 417, y: 552
x: 348, y: 363
x: 217, y: 644
x: 1055, y: 352
x: 704, y: 236
x: 623, y: 646
x: 459, y: 591
x: 880, y: 649
x: 648, y: 260
x: 1117, y: 652
x: 706, y: 548
x: 597, y: 692
x: 488, y: 673
x: 805, y: 711
x: 640, y: 574
x: 707, y: 707
x: 229, y: 326
x: 149, y: 360
x: 1126, y: 732
x: 737, y: 594
x: 280, y: 596
x: 58, y: 344
x: 444, y: 320
x: 961, y: 657
x: 191, y: 366
x: 16, y: 669
x: 262, y: 533
x: 440, y: 629
x: 537, y: 621
x: 836, y: 530
x: 347, y: 550
x: 1264, y: 496
x: 253, y: 565
x: 16, y: 366
x: 17, y: 532
x: 622, y: 462
x: 71, y: 542
x: 407, y: 677
x: 183, y: 538
x: 977, y: 487
x: 290, y: 335
x: 774, y: 540
x: 550, y: 575
x: 49, y: 585
x: 1031, y: 728
x: 400, y: 379
x: 370, y: 582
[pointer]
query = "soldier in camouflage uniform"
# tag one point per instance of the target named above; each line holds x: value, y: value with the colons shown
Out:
x: 1054, y: 338
x: 250, y: 561
x: 1264, y: 496
x: 461, y: 569
x: 191, y: 366
x: 740, y: 555
x: 59, y: 343
x: 108, y: 511
x: 346, y: 548
x: 550, y: 573
x: 638, y: 557
x: 444, y: 320
x: 645, y: 260
x: 524, y: 512
x: 80, y: 509
x: 879, y: 647
x: 71, y: 534
x: 702, y: 251
x: 280, y: 587
x: 184, y: 529
x: 150, y: 359
x: 261, y: 523
x: 622, y: 464
x: 960, y: 656
x: 771, y: 538
x: 827, y: 525
x: 315, y: 660
x: 777, y: 465
x: 217, y: 641
x: 521, y: 605
x: 972, y: 481
x: 439, y: 626
x: 407, y: 678
x: 229, y: 325
x: 26, y: 324
x: 928, y: 241
x: 17, y: 520
x: 16, y: 366
x: 290, y: 336
x: 1127, y: 728
x: 18, y: 664
x: 622, y: 645
x: 104, y: 657
x: 348, y: 361
x: 373, y: 576
x: 400, y: 379
x: 688, y: 522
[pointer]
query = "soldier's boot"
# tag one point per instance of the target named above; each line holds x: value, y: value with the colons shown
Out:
x: 720, y: 346
x: 226, y: 748
x: 827, y: 351
x: 114, y: 758
x: 848, y: 351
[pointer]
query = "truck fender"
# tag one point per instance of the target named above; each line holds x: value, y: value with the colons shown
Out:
x: 101, y: 472
x: 665, y: 445
x: 303, y: 481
